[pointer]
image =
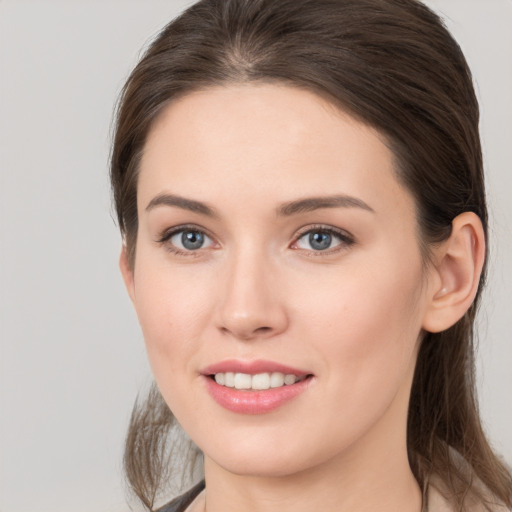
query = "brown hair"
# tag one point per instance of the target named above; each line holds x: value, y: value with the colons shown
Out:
x: 393, y: 65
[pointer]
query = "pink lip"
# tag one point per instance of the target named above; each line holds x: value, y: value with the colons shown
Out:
x: 248, y: 401
x: 251, y: 367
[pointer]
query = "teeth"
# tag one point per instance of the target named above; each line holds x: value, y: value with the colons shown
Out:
x: 260, y: 381
x: 229, y: 379
x: 243, y: 381
x: 289, y: 380
x: 277, y: 380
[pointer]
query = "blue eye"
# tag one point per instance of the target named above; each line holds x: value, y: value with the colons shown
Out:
x: 322, y: 239
x: 186, y: 240
x: 190, y: 240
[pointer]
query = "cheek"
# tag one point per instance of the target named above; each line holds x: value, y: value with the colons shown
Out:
x: 364, y: 334
x: 366, y: 327
x: 172, y: 306
x: 171, y: 312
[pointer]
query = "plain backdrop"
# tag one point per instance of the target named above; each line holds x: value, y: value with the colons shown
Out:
x: 72, y: 356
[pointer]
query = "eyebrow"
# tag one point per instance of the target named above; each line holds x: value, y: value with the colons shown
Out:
x: 307, y: 204
x: 310, y: 204
x: 181, y: 202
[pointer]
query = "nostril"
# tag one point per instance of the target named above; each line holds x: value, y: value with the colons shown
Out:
x: 246, y: 333
x: 263, y: 329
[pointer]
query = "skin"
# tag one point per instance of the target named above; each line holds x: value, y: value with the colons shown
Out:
x: 351, y: 315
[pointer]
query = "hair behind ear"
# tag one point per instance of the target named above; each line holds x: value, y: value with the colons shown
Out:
x: 445, y: 435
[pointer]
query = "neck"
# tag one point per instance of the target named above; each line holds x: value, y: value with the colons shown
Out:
x: 366, y: 478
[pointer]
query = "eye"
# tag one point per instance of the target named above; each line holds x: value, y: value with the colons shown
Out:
x: 322, y: 239
x: 186, y: 240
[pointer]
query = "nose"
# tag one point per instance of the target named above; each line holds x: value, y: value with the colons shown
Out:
x: 251, y: 304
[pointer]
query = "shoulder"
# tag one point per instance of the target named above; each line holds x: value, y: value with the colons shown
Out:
x: 180, y: 503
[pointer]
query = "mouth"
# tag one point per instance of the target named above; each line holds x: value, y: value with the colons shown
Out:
x: 255, y: 387
x: 256, y: 382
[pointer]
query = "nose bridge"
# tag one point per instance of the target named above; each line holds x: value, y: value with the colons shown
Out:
x: 250, y: 305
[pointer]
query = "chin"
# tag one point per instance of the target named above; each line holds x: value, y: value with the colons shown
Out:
x: 265, y: 457
x: 263, y: 467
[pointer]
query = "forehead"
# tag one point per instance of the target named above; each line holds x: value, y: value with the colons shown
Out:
x: 266, y: 141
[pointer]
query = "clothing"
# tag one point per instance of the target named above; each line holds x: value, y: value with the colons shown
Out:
x: 434, y: 502
x: 181, y: 503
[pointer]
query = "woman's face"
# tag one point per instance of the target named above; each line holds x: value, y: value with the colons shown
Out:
x: 274, y: 239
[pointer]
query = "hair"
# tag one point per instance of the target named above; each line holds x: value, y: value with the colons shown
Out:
x: 392, y: 65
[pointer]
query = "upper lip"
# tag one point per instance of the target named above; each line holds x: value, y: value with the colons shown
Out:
x: 251, y: 367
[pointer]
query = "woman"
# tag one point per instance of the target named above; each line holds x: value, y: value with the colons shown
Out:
x: 299, y: 186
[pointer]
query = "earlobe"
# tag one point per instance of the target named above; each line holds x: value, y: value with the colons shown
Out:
x: 458, y: 266
x: 127, y: 272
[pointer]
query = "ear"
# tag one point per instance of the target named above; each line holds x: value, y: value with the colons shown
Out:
x: 127, y: 272
x: 458, y: 264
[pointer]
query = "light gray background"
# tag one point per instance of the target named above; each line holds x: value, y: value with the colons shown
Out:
x: 72, y: 356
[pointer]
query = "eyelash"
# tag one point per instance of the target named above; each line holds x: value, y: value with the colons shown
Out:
x: 165, y: 237
x: 346, y: 240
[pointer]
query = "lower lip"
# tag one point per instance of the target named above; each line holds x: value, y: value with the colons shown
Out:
x: 254, y: 402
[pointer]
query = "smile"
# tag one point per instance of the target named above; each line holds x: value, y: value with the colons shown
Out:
x: 258, y: 382
x: 255, y: 387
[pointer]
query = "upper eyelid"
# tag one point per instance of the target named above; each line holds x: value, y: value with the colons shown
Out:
x: 347, y: 240
x: 323, y: 227
x: 166, y: 234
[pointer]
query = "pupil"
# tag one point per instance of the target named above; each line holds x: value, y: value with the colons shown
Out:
x: 192, y: 239
x: 320, y: 241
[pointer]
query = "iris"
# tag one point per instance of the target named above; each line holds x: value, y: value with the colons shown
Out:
x: 320, y: 240
x: 192, y: 240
